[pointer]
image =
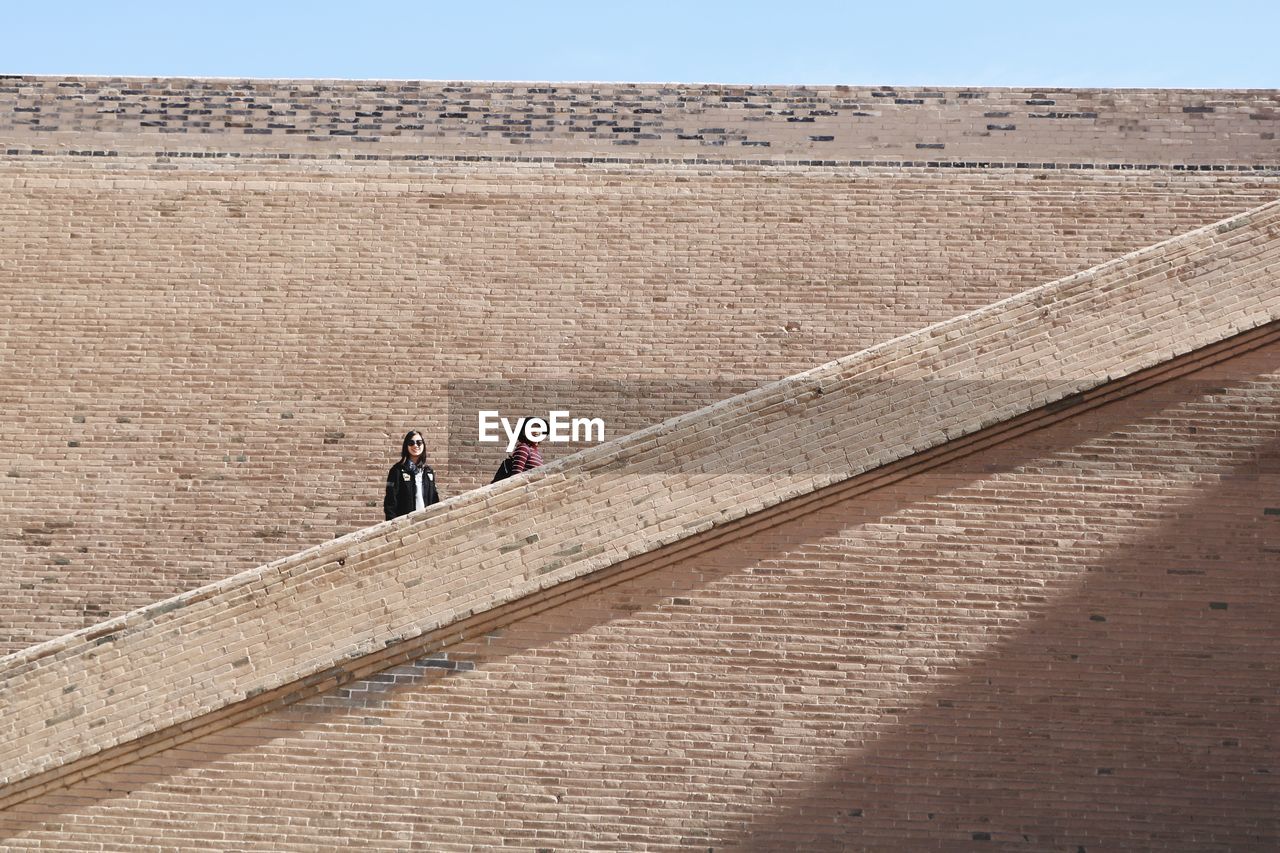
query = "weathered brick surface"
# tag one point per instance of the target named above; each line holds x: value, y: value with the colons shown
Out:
x: 82, y: 693
x: 199, y: 329
x: 201, y: 278
x: 207, y: 279
x: 1064, y: 642
x: 1132, y: 127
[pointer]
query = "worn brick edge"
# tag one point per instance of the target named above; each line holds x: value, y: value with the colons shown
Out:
x: 163, y: 668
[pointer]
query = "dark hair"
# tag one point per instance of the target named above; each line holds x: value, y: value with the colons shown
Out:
x: 524, y: 431
x: 404, y: 445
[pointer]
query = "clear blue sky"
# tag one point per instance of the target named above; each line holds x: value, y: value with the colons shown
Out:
x: 1232, y: 43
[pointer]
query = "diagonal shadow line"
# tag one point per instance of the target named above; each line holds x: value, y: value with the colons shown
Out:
x: 1142, y: 708
x: 575, y: 617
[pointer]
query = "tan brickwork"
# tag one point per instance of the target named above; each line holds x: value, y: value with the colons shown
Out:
x: 1130, y: 127
x: 73, y: 697
x: 201, y: 284
x: 1065, y: 641
x: 197, y: 327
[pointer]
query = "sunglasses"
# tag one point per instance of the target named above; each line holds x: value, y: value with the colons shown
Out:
x: 416, y: 442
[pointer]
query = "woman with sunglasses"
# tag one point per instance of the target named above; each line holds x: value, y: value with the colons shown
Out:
x: 411, y: 484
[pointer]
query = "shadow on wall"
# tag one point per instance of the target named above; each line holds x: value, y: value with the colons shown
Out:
x: 1141, y: 712
x: 1053, y: 683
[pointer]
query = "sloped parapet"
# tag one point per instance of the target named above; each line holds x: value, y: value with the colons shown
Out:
x: 297, y: 619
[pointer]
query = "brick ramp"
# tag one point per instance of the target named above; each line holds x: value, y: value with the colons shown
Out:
x: 139, y: 683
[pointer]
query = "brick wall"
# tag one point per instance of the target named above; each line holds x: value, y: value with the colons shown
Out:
x: 1063, y: 642
x: 312, y: 617
x: 1209, y: 128
x: 202, y: 277
x: 225, y: 301
x: 200, y: 331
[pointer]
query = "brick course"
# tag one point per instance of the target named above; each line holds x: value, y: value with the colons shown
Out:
x: 1131, y: 127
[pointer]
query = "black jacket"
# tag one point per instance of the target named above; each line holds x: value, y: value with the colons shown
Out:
x: 400, y: 490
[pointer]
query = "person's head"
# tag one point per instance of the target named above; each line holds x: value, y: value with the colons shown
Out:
x: 525, y: 438
x: 414, y: 447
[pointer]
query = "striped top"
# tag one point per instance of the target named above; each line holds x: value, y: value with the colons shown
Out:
x: 525, y: 458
